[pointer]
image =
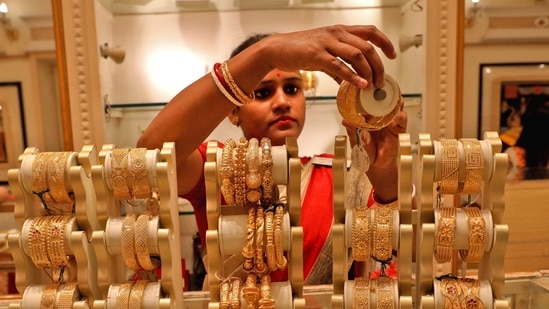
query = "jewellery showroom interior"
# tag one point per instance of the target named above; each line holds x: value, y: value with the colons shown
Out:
x: 91, y: 221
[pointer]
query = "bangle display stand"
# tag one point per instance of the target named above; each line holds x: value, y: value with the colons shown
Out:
x: 87, y: 239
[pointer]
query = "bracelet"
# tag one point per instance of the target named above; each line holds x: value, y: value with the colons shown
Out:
x: 37, y: 242
x: 235, y: 90
x: 136, y: 294
x: 248, y: 252
x: 56, y: 180
x: 385, y: 293
x: 138, y: 170
x: 267, y: 168
x: 222, y: 85
x: 240, y: 171
x: 119, y: 166
x: 477, y: 236
x: 250, y: 292
x: 39, y: 181
x: 128, y: 244
x: 226, y: 172
x: 361, y: 292
x: 361, y: 237
x: 67, y: 295
x: 270, y: 251
x: 141, y: 239
x: 266, y: 300
x: 253, y: 177
x: 449, y: 179
x: 474, y: 166
x: 471, y: 289
x: 55, y: 243
x: 445, y: 235
x: 281, y: 261
x: 49, y: 296
x: 451, y: 291
x: 260, y: 266
x: 123, y: 297
x: 236, y: 286
x: 383, y: 234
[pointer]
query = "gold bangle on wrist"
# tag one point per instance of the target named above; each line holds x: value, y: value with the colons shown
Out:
x: 361, y: 292
x: 474, y: 166
x: 138, y: 171
x: 383, y: 234
x: 128, y: 244
x: 477, y: 235
x: 281, y: 261
x: 119, y: 174
x: 240, y: 171
x: 253, y: 176
x: 141, y: 237
x: 385, y: 293
x: 37, y: 242
x: 123, y: 297
x: 49, y: 296
x: 361, y: 237
x: 235, y: 89
x: 449, y: 177
x: 227, y: 172
x: 445, y: 235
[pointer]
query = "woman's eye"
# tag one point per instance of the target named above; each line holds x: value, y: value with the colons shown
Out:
x: 291, y: 89
x: 262, y: 93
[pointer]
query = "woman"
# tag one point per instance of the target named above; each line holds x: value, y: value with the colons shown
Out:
x: 268, y: 66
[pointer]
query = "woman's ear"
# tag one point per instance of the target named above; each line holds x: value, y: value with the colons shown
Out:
x: 233, y: 117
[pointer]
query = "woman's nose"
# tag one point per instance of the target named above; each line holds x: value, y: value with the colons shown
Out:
x: 280, y: 100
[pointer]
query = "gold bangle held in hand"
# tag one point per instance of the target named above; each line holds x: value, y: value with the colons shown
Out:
x: 445, y: 235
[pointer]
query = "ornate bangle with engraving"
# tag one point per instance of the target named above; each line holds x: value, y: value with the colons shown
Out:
x: 266, y: 300
x: 123, y: 297
x: 225, y: 295
x: 119, y: 174
x: 235, y: 89
x: 226, y: 172
x: 474, y: 165
x: 56, y: 171
x: 39, y: 177
x: 385, y: 293
x: 68, y: 295
x: 445, y: 234
x: 281, y: 261
x: 136, y: 294
x: 361, y: 292
x: 240, y: 171
x: 49, y: 296
x: 267, y: 169
x: 138, y: 171
x: 248, y: 252
x: 451, y: 290
x: 260, y: 266
x: 269, y: 235
x: 141, y: 237
x: 361, y: 237
x: 477, y: 235
x: 250, y: 291
x: 37, y: 242
x: 253, y: 175
x: 449, y: 176
x: 383, y: 234
x: 55, y: 244
x: 128, y: 244
x: 236, y: 286
x: 471, y: 290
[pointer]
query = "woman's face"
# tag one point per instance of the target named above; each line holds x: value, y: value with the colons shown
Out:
x: 278, y: 110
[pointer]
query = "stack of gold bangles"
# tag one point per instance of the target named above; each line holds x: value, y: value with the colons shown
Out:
x: 135, y: 242
x: 445, y: 234
x: 131, y: 294
x: 48, y: 181
x: 129, y: 174
x: 47, y: 236
x: 461, y: 165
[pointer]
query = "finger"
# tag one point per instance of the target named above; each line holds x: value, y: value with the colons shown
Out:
x: 375, y: 36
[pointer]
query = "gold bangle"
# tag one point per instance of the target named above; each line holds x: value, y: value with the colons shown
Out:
x: 119, y: 174
x: 269, y: 234
x: 141, y: 239
x: 250, y: 292
x: 128, y: 245
x: 123, y: 297
x: 477, y: 235
x: 227, y: 173
x: 136, y: 294
x: 236, y: 286
x: 55, y: 244
x: 260, y: 266
x: 253, y: 177
x: 266, y: 300
x: 37, y: 242
x: 138, y: 171
x: 449, y: 178
x: 361, y: 292
x: 49, y: 296
x: 383, y: 234
x: 57, y: 166
x: 235, y: 89
x: 451, y: 291
x: 67, y: 295
x: 361, y: 236
x: 445, y: 235
x: 224, y: 295
x: 474, y: 166
x: 39, y: 177
x: 248, y: 252
x: 267, y: 169
x: 471, y: 290
x: 281, y: 261
x: 385, y: 294
x: 240, y: 171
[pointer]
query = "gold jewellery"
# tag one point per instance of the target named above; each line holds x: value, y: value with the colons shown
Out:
x: 267, y: 169
x: 141, y: 241
x: 471, y: 293
x: 383, y: 234
x: 49, y: 296
x: 229, y: 293
x: 128, y: 246
x: 55, y: 243
x: 37, y: 242
x: 248, y: 252
x: 137, y: 292
x: 477, y: 235
x: 260, y: 266
x: 474, y: 166
x: 269, y: 234
x: 55, y: 176
x: 451, y: 290
x: 67, y: 295
x: 445, y: 235
x: 281, y: 261
x: 123, y: 297
x: 449, y: 178
x: 235, y: 89
x: 253, y: 176
x: 361, y: 293
x: 119, y: 174
x: 361, y: 238
x: 250, y: 291
x: 138, y: 171
x: 240, y: 171
x: 39, y: 177
x: 227, y: 172
x: 385, y: 293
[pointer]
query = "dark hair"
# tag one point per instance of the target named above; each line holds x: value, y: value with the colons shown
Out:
x: 252, y: 39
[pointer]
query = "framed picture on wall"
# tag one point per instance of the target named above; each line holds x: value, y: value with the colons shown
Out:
x: 507, y: 90
x: 12, y: 127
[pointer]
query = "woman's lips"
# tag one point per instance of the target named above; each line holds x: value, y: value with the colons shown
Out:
x: 283, y: 121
